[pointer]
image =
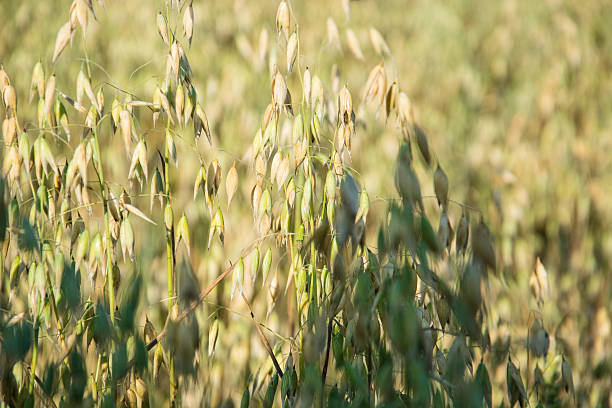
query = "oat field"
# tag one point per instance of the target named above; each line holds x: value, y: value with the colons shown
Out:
x: 305, y: 203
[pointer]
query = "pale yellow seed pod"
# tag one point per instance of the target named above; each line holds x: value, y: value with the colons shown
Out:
x: 9, y: 131
x: 333, y: 36
x: 378, y: 43
x: 353, y: 44
x: 376, y: 85
x: 63, y: 37
x: 49, y: 95
x: 283, y: 19
x: 345, y: 105
x: 404, y: 109
x: 231, y: 183
x: 125, y: 122
x: 175, y: 59
x: 9, y: 97
x: 162, y: 28
x: 4, y: 79
x: 292, y: 50
x: 307, y: 86
x: 188, y: 23
x: 38, y: 81
x: 279, y: 90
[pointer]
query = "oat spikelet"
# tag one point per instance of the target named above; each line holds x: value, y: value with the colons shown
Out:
x: 376, y: 85
x: 404, y: 110
x: 333, y: 36
x: 353, y: 44
x: 378, y: 42
x: 463, y: 233
x: 307, y: 86
x: 38, y: 81
x: 283, y: 19
x: 292, y: 49
x: 279, y: 90
x: 188, y: 23
x: 125, y: 123
x: 49, y: 95
x: 179, y: 102
x: 441, y: 187
x: 231, y: 183
x: 63, y: 37
x: 162, y: 28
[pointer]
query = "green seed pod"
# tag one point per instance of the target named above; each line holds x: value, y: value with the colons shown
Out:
x: 299, y: 235
x: 270, y: 392
x: 265, y: 203
x: 266, y: 265
x: 301, y: 278
x: 246, y: 397
x: 168, y: 217
x: 238, y: 277
x: 298, y: 127
x: 14, y: 212
x: 183, y: 232
x: 285, y: 218
x: 429, y: 236
x: 82, y: 247
x: 254, y: 264
x: 315, y: 128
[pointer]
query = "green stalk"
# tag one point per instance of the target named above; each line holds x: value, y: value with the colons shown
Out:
x: 109, y: 261
x: 34, y: 357
x: 170, y: 261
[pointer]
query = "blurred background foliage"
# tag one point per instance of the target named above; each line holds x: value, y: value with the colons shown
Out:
x: 514, y: 95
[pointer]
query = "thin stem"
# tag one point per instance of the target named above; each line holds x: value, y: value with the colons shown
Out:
x: 34, y: 358
x: 170, y: 260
